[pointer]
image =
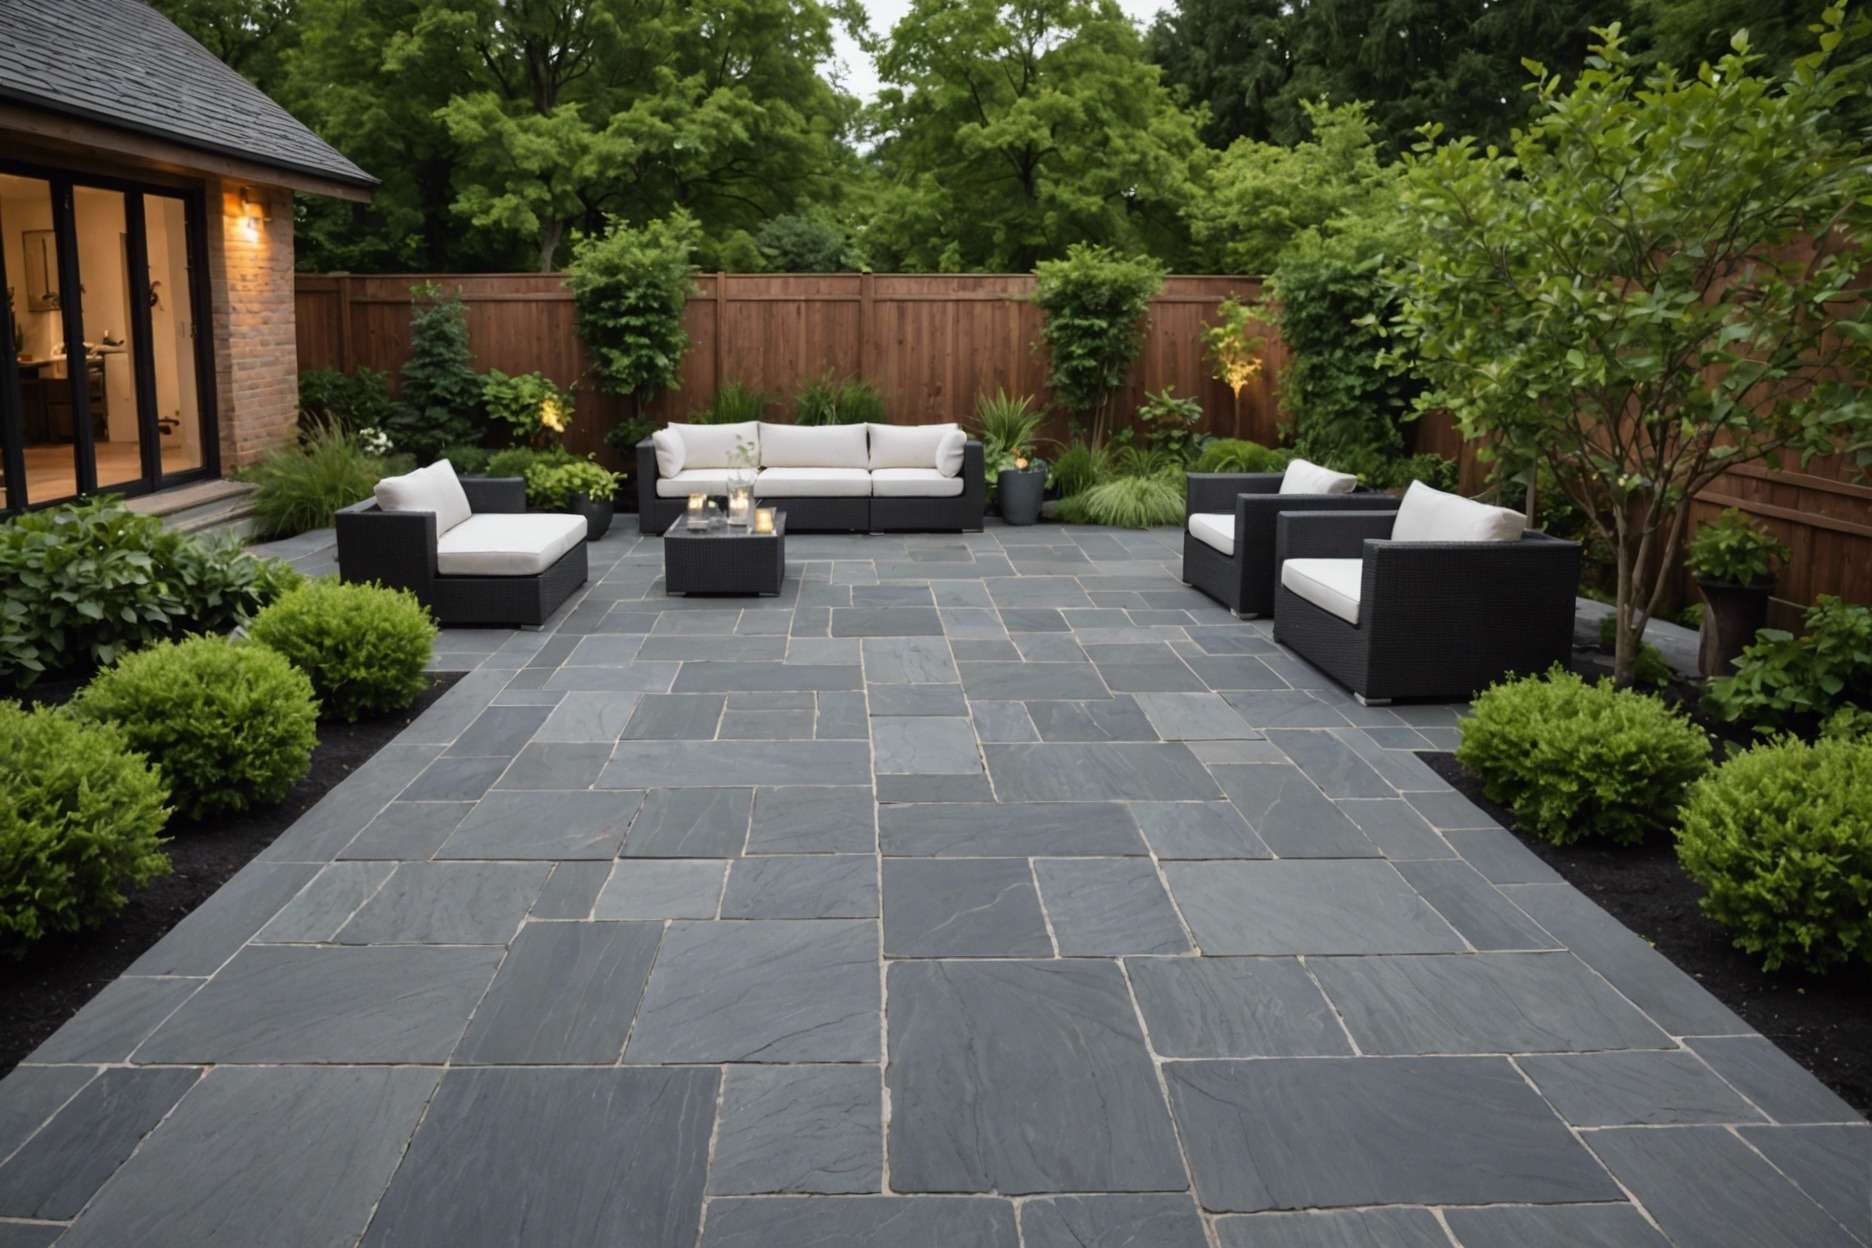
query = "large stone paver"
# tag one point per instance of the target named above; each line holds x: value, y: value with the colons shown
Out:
x: 978, y: 890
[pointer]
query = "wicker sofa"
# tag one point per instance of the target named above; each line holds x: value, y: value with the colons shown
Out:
x: 851, y: 478
x: 1228, y: 533
x: 467, y: 548
x: 1410, y: 604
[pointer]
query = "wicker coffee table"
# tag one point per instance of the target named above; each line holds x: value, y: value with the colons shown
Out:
x: 728, y: 559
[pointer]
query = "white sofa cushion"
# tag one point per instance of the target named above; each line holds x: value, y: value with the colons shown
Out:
x: 1305, y: 477
x: 949, y: 452
x: 694, y: 481
x: 435, y: 488
x: 1429, y: 515
x: 669, y: 452
x: 913, y: 483
x: 1215, y: 529
x: 492, y: 544
x: 812, y: 483
x: 909, y: 446
x: 813, y: 446
x: 713, y: 446
x: 1329, y: 584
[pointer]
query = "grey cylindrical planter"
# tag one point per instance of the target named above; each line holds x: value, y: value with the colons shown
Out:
x: 1018, y: 493
x: 597, y: 513
x: 1734, y: 615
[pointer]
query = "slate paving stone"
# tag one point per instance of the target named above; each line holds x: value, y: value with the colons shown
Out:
x: 591, y: 715
x: 217, y: 928
x: 1474, y: 907
x: 296, y: 1155
x: 1235, y: 753
x: 1033, y: 620
x: 1098, y: 772
x: 291, y: 1003
x: 1038, y: 591
x: 1197, y: 830
x: 1031, y: 681
x: 1333, y: 1228
x: 892, y: 596
x: 822, y: 650
x: 626, y: 1150
x: 1324, y: 1132
x: 606, y: 649
x: 556, y: 825
x: 740, y: 647
x: 1194, y: 717
x: 1234, y: 1007
x: 1110, y: 719
x: 452, y: 779
x: 1486, y: 1003
x: 816, y: 886
x: 1022, y: 1078
x: 452, y: 903
x: 1553, y: 1226
x: 919, y: 746
x: 1230, y: 639
x: 565, y: 995
x: 326, y: 904
x: 858, y: 621
x: 799, y: 1129
x: 499, y: 732
x: 662, y: 888
x: 1829, y: 1164
x: 1283, y: 708
x: 732, y: 677
x: 1304, y: 907
x: 908, y: 661
x: 1773, y: 1080
x: 30, y: 1095
x: 1450, y: 810
x: 690, y: 823
x: 110, y: 1026
x: 1290, y: 814
x: 1396, y: 766
x: 978, y: 648
x: 1334, y: 767
x: 1044, y: 648
x: 29, y: 1234
x: 921, y: 700
x: 810, y: 819
x: 962, y: 907
x: 771, y: 700
x: 1704, y: 1186
x: 1230, y: 672
x: 639, y: 677
x: 1636, y: 1089
x: 55, y: 1172
x: 675, y: 717
x: 762, y: 991
x: 964, y: 622
x: 859, y: 1222
x: 1112, y: 1222
x: 949, y: 787
x: 559, y: 765
x: 407, y: 831
x: 571, y: 890
x: 1500, y: 856
x: 841, y: 717
x: 957, y: 829
x: 1003, y: 721
x: 1395, y: 827
x: 1168, y: 674
x: 1108, y: 907
x: 705, y: 764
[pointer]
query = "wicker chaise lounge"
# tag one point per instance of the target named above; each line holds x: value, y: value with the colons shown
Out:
x: 1435, y: 600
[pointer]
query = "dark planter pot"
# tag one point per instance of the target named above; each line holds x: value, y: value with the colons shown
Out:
x: 1018, y: 494
x: 597, y: 513
x: 1734, y: 614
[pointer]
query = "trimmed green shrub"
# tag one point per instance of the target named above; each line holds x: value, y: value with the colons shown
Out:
x: 1094, y: 304
x: 355, y: 400
x: 363, y: 647
x: 1078, y: 468
x: 1574, y: 760
x: 630, y: 288
x: 228, y: 724
x: 833, y: 400
x: 83, y: 583
x: 467, y: 461
x: 733, y: 404
x: 1780, y: 838
x: 558, y: 484
x: 1138, y: 502
x: 1733, y: 550
x: 302, y: 486
x: 80, y: 823
x: 1240, y: 455
x: 524, y: 461
x: 533, y: 409
x: 438, y: 391
x: 1786, y: 682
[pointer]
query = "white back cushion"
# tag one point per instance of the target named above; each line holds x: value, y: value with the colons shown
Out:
x: 669, y: 452
x: 813, y: 446
x: 435, y: 488
x: 1428, y: 515
x: 908, y: 446
x: 949, y: 452
x: 713, y: 446
x: 1303, y: 477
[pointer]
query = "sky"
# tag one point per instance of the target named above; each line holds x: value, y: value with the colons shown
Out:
x: 861, y: 75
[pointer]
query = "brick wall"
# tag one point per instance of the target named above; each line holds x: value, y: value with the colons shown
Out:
x: 250, y: 269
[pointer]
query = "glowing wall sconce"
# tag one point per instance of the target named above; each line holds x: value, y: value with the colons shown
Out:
x: 255, y: 210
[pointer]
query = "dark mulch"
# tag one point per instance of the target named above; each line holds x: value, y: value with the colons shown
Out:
x: 57, y: 976
x: 1823, y: 1022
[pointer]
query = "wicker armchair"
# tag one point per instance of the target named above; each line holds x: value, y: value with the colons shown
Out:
x: 1434, y: 619
x: 399, y: 549
x: 1242, y: 577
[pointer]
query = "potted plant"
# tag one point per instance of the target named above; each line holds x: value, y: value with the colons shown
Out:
x: 582, y: 487
x: 1020, y: 488
x: 1733, y: 562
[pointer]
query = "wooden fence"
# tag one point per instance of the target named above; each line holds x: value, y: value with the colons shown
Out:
x: 931, y: 343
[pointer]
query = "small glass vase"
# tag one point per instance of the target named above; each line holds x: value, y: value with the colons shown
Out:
x: 740, y: 504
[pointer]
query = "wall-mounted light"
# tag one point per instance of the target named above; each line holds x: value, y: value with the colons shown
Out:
x: 254, y: 207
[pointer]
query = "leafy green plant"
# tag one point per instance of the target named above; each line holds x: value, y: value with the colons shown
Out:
x: 1733, y: 550
x: 1129, y: 502
x: 533, y: 409
x: 1231, y: 345
x: 438, y: 399
x: 1784, y: 682
x: 1780, y: 839
x: 356, y: 400
x: 1078, y: 468
x: 1239, y: 455
x: 830, y: 400
x: 1848, y: 723
x: 734, y: 404
x: 301, y: 486
x: 468, y: 461
x: 1094, y: 305
x: 81, y: 823
x: 558, y: 484
x: 1574, y: 760
x: 363, y: 647
x: 228, y: 724
x: 1009, y: 428
x: 630, y: 286
x: 532, y: 464
x: 83, y: 583
x: 624, y: 436
x: 1170, y: 423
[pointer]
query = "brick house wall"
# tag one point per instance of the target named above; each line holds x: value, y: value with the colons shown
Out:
x: 250, y: 272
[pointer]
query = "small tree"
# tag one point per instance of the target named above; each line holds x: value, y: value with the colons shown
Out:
x: 1094, y: 302
x: 1654, y: 286
x: 629, y: 288
x: 1234, y: 349
x: 438, y: 400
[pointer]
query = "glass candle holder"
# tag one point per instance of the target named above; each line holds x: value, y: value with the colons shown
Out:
x: 740, y: 504
x: 697, y: 514
x: 763, y: 519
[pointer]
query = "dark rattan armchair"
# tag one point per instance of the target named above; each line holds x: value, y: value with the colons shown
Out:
x: 1242, y: 578
x: 1434, y: 619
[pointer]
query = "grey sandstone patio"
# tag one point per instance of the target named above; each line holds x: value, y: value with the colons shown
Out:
x: 979, y: 891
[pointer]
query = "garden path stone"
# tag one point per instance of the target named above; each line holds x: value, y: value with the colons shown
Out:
x: 908, y: 661
x: 801, y: 819
x: 1111, y: 719
x: 1334, y: 1228
x: 1306, y: 907
x: 1030, y: 681
x: 1290, y: 814
x: 1194, y: 717
x: 326, y: 904
x: 592, y: 715
x: 799, y: 1129
x: 858, y: 621
x: 499, y: 732
x: 1829, y: 1164
x: 814, y: 886
x: 1197, y: 830
x: 54, y: 1173
x: 1554, y: 1226
x: 1107, y: 907
x: 1098, y: 772
x: 675, y: 717
x: 917, y: 746
x: 1234, y: 1007
x: 407, y: 831
x: 690, y: 823
x: 112, y: 1024
x: 216, y: 929
x: 1008, y: 829
x: 558, y: 765
x: 662, y: 888
x: 1774, y: 1081
x: 1636, y: 1089
x: 961, y: 908
x: 859, y: 1222
x: 452, y: 779
x: 1330, y: 764
x: 926, y: 700
x: 31, y: 1095
x: 1112, y: 1222
x: 565, y: 995
x: 554, y: 825
x: 571, y: 891
x: 705, y: 764
x: 447, y: 903
x: 1474, y: 907
x: 1395, y: 827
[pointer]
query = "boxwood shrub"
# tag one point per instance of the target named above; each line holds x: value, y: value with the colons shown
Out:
x: 363, y: 647
x: 1575, y: 760
x: 229, y: 724
x: 1780, y: 838
x: 80, y: 822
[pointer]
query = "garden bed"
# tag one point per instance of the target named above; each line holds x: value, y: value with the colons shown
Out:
x: 57, y: 976
x: 1823, y: 1022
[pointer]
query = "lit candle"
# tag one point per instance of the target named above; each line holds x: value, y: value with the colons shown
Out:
x: 696, y: 501
x: 763, y: 519
x: 740, y: 501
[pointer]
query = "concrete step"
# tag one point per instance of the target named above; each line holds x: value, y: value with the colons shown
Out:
x: 206, y: 508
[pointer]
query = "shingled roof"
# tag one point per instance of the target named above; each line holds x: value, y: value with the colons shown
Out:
x: 122, y: 64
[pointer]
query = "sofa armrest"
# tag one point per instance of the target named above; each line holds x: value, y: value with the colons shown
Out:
x: 1217, y: 491
x: 1329, y: 534
x: 394, y: 548
x: 646, y: 477
x: 499, y: 495
x: 1454, y: 588
x: 974, y: 503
